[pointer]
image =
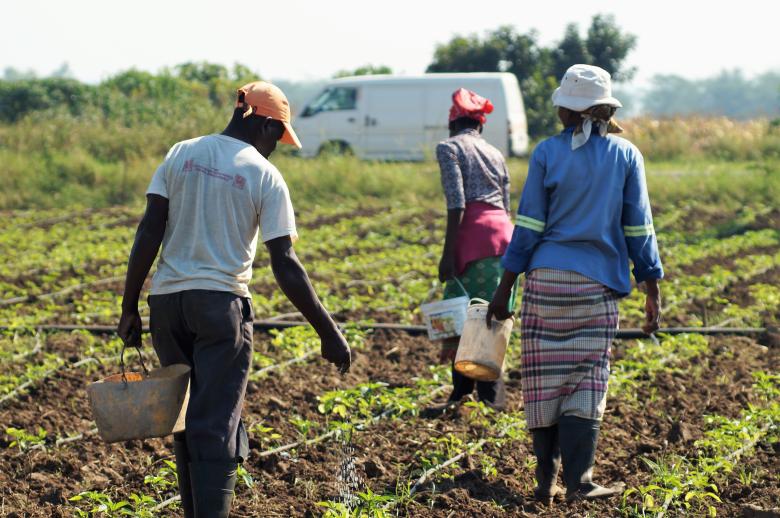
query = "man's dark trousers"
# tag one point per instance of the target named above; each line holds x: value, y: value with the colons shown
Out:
x: 211, y: 331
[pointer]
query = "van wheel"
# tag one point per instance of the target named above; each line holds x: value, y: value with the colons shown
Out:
x: 335, y: 147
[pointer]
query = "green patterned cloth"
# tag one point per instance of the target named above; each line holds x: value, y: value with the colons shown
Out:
x: 480, y: 280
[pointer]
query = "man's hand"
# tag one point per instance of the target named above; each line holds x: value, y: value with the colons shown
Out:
x: 130, y: 327
x: 446, y: 267
x: 652, y: 307
x: 294, y: 282
x: 335, y: 349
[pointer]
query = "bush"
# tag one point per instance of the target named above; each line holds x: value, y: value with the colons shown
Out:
x: 63, y: 143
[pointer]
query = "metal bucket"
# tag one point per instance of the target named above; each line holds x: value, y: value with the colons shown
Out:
x: 481, y: 350
x: 131, y: 405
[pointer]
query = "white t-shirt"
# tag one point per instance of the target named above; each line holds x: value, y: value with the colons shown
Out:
x: 220, y: 190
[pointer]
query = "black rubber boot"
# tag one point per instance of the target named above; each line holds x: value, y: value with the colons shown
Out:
x: 548, y: 463
x: 493, y: 394
x: 578, y: 438
x: 183, y: 474
x: 462, y: 386
x: 213, y: 483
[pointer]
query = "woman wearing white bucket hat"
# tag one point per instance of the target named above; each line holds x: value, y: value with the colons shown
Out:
x: 584, y: 213
x: 585, y: 95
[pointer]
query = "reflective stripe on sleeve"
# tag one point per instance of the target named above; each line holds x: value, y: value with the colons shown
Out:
x: 529, y: 223
x: 639, y: 230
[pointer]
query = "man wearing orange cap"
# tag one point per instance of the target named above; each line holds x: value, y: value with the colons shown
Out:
x: 205, y: 205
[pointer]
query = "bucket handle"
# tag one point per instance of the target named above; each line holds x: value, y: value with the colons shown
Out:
x: 122, y: 361
x: 463, y: 289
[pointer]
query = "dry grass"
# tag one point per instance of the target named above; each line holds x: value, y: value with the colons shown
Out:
x: 715, y: 138
x: 91, y: 161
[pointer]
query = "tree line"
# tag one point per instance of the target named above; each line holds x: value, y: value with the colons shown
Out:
x: 134, y: 97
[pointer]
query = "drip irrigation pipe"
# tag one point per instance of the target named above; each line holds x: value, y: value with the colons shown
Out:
x: 267, y: 325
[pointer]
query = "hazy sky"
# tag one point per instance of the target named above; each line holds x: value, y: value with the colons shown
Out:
x: 296, y: 39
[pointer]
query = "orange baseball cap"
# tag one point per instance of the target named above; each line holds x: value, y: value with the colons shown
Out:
x: 264, y: 99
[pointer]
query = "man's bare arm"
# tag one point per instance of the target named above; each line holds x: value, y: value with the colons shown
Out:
x: 294, y: 282
x: 148, y: 239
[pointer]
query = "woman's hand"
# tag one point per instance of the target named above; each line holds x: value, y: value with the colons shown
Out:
x: 446, y: 267
x: 652, y: 307
x: 447, y: 263
x: 499, y: 306
x: 447, y: 354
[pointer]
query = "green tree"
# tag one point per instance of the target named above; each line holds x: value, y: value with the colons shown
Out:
x: 202, y: 72
x: 15, y: 74
x: 63, y: 71
x: 365, y: 70
x: 17, y: 98
x: 572, y: 49
x: 467, y: 54
x: 128, y: 98
x: 538, y: 69
x: 242, y: 74
x: 220, y: 81
x: 608, y: 47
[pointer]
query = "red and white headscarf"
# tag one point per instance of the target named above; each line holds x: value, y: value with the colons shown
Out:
x: 466, y: 103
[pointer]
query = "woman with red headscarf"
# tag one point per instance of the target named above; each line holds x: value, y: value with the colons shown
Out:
x: 475, y: 179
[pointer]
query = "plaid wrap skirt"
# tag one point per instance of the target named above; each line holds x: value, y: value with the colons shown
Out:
x: 568, y: 322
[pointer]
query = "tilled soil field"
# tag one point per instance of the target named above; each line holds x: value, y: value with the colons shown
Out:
x: 691, y: 424
x: 664, y: 418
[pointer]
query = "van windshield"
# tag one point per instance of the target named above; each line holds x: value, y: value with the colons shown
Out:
x: 332, y: 99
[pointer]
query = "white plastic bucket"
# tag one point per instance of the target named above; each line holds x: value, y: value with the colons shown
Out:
x: 445, y: 318
x: 481, y: 350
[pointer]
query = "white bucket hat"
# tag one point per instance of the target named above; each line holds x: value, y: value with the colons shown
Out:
x: 584, y: 86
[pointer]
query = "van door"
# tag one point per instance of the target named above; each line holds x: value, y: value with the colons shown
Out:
x: 393, y: 121
x: 332, y: 119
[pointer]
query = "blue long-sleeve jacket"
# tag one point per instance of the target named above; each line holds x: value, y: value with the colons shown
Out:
x: 586, y: 210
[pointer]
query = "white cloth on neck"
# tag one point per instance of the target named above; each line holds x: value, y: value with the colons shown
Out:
x: 579, y: 139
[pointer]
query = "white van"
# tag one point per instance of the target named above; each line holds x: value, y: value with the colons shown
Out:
x: 387, y: 117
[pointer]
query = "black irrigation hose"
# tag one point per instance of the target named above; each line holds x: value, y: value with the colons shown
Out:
x: 267, y: 325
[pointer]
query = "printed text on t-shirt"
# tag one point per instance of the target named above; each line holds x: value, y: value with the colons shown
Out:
x: 239, y: 182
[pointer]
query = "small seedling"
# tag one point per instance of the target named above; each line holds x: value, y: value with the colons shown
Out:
x: 24, y: 440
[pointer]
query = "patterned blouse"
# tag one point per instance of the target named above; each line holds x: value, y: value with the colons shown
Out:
x: 472, y: 170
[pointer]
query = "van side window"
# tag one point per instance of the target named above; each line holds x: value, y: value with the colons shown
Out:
x: 332, y: 99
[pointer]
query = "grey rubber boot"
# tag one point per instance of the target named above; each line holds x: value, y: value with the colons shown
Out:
x: 212, y: 487
x: 578, y: 438
x: 548, y: 463
x: 183, y: 474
